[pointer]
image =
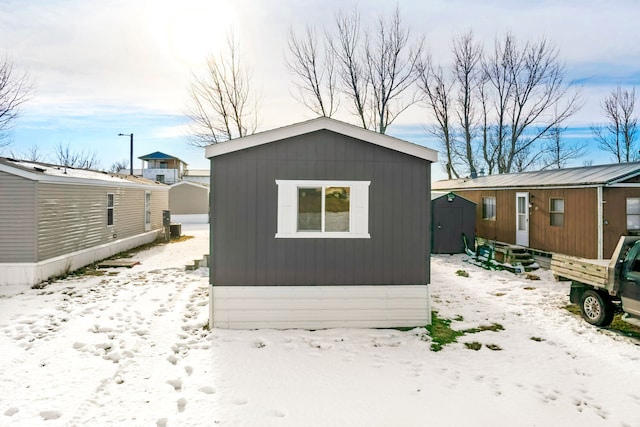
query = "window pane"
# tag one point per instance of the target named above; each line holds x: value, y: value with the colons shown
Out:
x: 633, y: 222
x: 633, y: 206
x: 310, y: 209
x: 557, y: 219
x: 109, y: 200
x: 557, y: 205
x: 336, y: 208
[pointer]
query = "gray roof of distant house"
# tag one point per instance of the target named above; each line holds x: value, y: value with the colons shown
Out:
x: 569, y: 177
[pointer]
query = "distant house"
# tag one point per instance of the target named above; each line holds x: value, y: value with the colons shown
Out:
x: 162, y: 167
x: 198, y: 176
x: 575, y: 211
x: 319, y: 224
x: 189, y: 202
x: 55, y: 219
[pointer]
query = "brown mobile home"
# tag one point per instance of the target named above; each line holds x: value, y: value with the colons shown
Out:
x: 55, y: 219
x: 319, y: 224
x: 575, y: 211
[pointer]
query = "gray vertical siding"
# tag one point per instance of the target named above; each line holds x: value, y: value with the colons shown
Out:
x: 18, y: 218
x: 244, y: 215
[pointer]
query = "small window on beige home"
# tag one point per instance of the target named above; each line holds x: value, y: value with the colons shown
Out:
x: 489, y: 208
x: 556, y: 212
x: 633, y: 213
x: 110, y: 206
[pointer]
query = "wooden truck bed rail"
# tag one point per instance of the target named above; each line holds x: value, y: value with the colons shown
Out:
x: 593, y: 272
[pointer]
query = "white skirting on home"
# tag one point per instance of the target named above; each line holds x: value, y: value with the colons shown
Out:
x: 31, y: 273
x: 318, y: 307
x: 190, y: 218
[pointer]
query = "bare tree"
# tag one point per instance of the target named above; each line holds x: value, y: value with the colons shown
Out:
x: 558, y: 151
x: 618, y: 135
x: 377, y: 69
x: 223, y: 104
x: 346, y: 46
x: 119, y: 165
x: 468, y: 74
x: 68, y: 157
x: 15, y: 90
x: 531, y: 98
x: 312, y: 64
x: 436, y: 91
x: 32, y: 154
x: 392, y: 69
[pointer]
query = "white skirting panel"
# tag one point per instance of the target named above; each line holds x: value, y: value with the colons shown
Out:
x: 31, y: 273
x: 319, y: 307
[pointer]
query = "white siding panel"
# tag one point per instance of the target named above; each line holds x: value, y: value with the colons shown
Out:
x: 317, y: 307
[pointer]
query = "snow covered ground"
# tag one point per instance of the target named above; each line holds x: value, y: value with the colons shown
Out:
x: 131, y: 349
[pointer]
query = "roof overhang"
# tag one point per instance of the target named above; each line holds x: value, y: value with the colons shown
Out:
x: 69, y: 180
x: 321, y: 123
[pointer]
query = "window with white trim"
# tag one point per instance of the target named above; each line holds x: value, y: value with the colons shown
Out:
x: 323, y: 209
x: 110, y: 206
x: 556, y: 212
x: 633, y: 213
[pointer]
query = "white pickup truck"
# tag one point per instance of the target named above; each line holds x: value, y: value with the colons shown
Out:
x: 599, y: 286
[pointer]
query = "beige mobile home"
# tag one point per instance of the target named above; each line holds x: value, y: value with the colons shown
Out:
x: 55, y: 219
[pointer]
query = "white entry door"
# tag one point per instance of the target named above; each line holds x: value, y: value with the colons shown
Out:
x: 522, y: 219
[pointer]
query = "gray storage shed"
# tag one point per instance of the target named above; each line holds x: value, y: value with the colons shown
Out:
x: 452, y: 217
x: 319, y: 224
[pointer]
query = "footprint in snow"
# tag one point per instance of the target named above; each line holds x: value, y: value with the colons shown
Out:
x: 176, y: 384
x: 277, y: 413
x: 207, y: 389
x: 11, y: 411
x: 240, y: 401
x: 50, y: 415
x: 182, y: 403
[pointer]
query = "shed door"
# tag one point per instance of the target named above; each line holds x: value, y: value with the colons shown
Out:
x: 447, y: 231
x: 522, y: 219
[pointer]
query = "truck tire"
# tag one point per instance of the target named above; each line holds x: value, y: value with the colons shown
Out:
x: 596, y: 308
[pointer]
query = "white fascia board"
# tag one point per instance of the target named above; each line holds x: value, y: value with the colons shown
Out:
x: 314, y: 125
x: 194, y: 184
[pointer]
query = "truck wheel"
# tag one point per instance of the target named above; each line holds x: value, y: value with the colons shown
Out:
x: 596, y: 308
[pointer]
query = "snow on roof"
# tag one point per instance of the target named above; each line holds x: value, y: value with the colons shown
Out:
x: 38, y: 171
x: 580, y: 176
x: 322, y: 123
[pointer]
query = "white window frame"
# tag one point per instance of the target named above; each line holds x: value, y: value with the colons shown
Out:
x: 288, y: 210
x: 556, y: 213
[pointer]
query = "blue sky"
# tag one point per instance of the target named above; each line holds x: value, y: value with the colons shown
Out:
x: 123, y: 66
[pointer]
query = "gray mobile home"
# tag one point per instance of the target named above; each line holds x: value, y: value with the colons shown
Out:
x: 319, y: 224
x: 55, y: 219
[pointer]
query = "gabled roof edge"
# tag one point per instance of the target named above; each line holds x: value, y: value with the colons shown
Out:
x: 321, y: 123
